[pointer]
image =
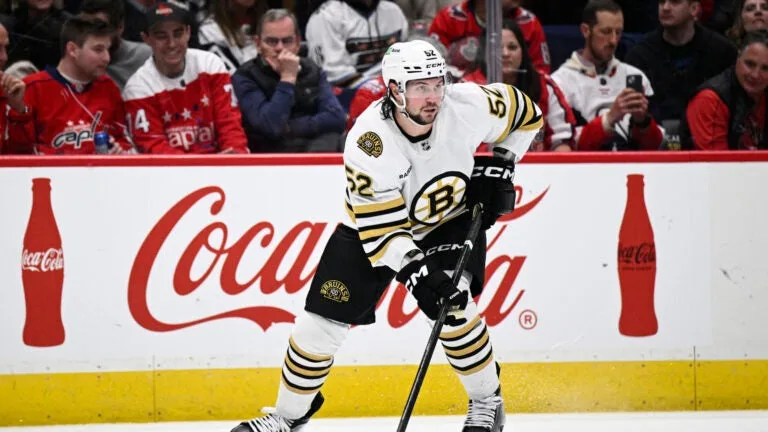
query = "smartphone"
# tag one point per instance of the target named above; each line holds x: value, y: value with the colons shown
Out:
x: 635, y: 82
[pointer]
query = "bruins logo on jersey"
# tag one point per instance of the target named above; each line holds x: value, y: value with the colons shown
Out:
x: 370, y: 143
x: 335, y: 290
x: 439, y: 197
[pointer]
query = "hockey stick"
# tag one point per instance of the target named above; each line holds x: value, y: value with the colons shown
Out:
x: 474, y: 230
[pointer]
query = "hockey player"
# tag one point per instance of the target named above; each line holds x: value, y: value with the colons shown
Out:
x: 411, y: 177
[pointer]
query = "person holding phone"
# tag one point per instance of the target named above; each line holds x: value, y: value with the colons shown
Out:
x: 609, y: 98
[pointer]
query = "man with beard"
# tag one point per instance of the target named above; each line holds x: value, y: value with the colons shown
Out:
x: 408, y: 161
x: 679, y: 56
x: 125, y: 57
x: 65, y: 106
x: 611, y: 114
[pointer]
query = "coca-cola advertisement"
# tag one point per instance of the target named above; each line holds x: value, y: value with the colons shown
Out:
x: 42, y: 271
x: 190, y: 267
x: 637, y: 264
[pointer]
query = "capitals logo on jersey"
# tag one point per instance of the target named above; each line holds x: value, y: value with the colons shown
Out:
x: 75, y: 134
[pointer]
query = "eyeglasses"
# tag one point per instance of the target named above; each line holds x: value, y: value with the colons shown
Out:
x: 273, y: 41
x: 424, y: 91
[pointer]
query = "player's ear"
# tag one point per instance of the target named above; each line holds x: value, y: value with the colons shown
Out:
x: 71, y: 49
x: 145, y: 37
x: 584, y: 27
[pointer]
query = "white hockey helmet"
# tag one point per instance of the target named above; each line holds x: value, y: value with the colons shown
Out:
x: 407, y: 61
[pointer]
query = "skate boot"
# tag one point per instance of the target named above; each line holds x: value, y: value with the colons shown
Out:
x: 275, y: 423
x: 485, y: 415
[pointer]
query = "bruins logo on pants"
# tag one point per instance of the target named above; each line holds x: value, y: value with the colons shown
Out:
x: 335, y: 290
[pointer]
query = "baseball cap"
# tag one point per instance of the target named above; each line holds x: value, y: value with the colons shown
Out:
x: 167, y: 11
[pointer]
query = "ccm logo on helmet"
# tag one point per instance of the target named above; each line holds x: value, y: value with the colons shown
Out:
x: 503, y: 173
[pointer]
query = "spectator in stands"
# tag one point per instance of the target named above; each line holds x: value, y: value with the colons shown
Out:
x: 125, y: 57
x: 374, y: 89
x: 422, y: 10
x: 348, y: 38
x: 609, y: 115
x: 36, y: 28
x: 729, y: 111
x: 468, y: 19
x: 181, y: 100
x: 679, y: 56
x: 287, y: 103
x: 136, y: 18
x: 724, y: 15
x: 226, y: 29
x: 517, y: 68
x: 753, y: 16
x: 65, y: 106
x: 11, y: 89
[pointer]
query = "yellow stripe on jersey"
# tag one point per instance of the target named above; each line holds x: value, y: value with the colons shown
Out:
x: 511, y: 113
x: 522, y: 114
x: 382, y: 229
x: 382, y: 249
x: 533, y: 119
x: 348, y: 208
x: 362, y: 209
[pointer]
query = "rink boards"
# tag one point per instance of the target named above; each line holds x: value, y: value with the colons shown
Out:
x: 182, y: 277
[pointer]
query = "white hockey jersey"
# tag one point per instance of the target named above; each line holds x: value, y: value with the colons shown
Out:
x: 591, y: 94
x: 212, y: 39
x: 398, y: 191
x: 343, y: 42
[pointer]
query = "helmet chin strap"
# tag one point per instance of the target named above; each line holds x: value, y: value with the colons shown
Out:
x: 403, y: 110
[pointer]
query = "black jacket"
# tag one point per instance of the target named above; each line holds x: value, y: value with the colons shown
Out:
x: 739, y: 104
x: 298, y: 124
x: 711, y: 53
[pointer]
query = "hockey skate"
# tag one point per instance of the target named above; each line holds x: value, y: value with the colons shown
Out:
x: 276, y: 423
x: 485, y: 415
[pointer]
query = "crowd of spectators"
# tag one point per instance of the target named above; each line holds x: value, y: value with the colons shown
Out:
x: 266, y: 76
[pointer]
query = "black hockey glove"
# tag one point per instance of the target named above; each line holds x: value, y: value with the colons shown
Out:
x: 429, y: 284
x: 491, y: 185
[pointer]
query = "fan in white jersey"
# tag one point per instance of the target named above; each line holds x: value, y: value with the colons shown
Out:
x: 411, y: 175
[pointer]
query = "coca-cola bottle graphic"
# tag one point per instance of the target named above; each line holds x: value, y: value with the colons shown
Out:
x: 42, y: 271
x: 637, y: 264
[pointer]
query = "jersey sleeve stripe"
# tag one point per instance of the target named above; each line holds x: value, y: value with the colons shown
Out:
x: 374, y: 231
x: 534, y: 120
x: 392, y: 205
x: 380, y: 250
x: 512, y: 114
x: 380, y: 212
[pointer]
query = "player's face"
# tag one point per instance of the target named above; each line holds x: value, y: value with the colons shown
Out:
x: 511, y: 52
x: 423, y: 99
x: 675, y: 13
x: 754, y: 15
x: 752, y: 68
x: 4, y: 41
x: 277, y: 36
x: 604, y: 36
x: 93, y: 58
x: 169, y: 41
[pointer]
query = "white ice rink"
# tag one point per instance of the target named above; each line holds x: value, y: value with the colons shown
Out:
x: 732, y: 421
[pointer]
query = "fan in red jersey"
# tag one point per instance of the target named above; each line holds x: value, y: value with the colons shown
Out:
x: 181, y: 100
x: 66, y: 106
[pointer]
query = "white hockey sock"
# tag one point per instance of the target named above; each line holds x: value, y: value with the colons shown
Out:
x: 468, y: 350
x: 311, y: 347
